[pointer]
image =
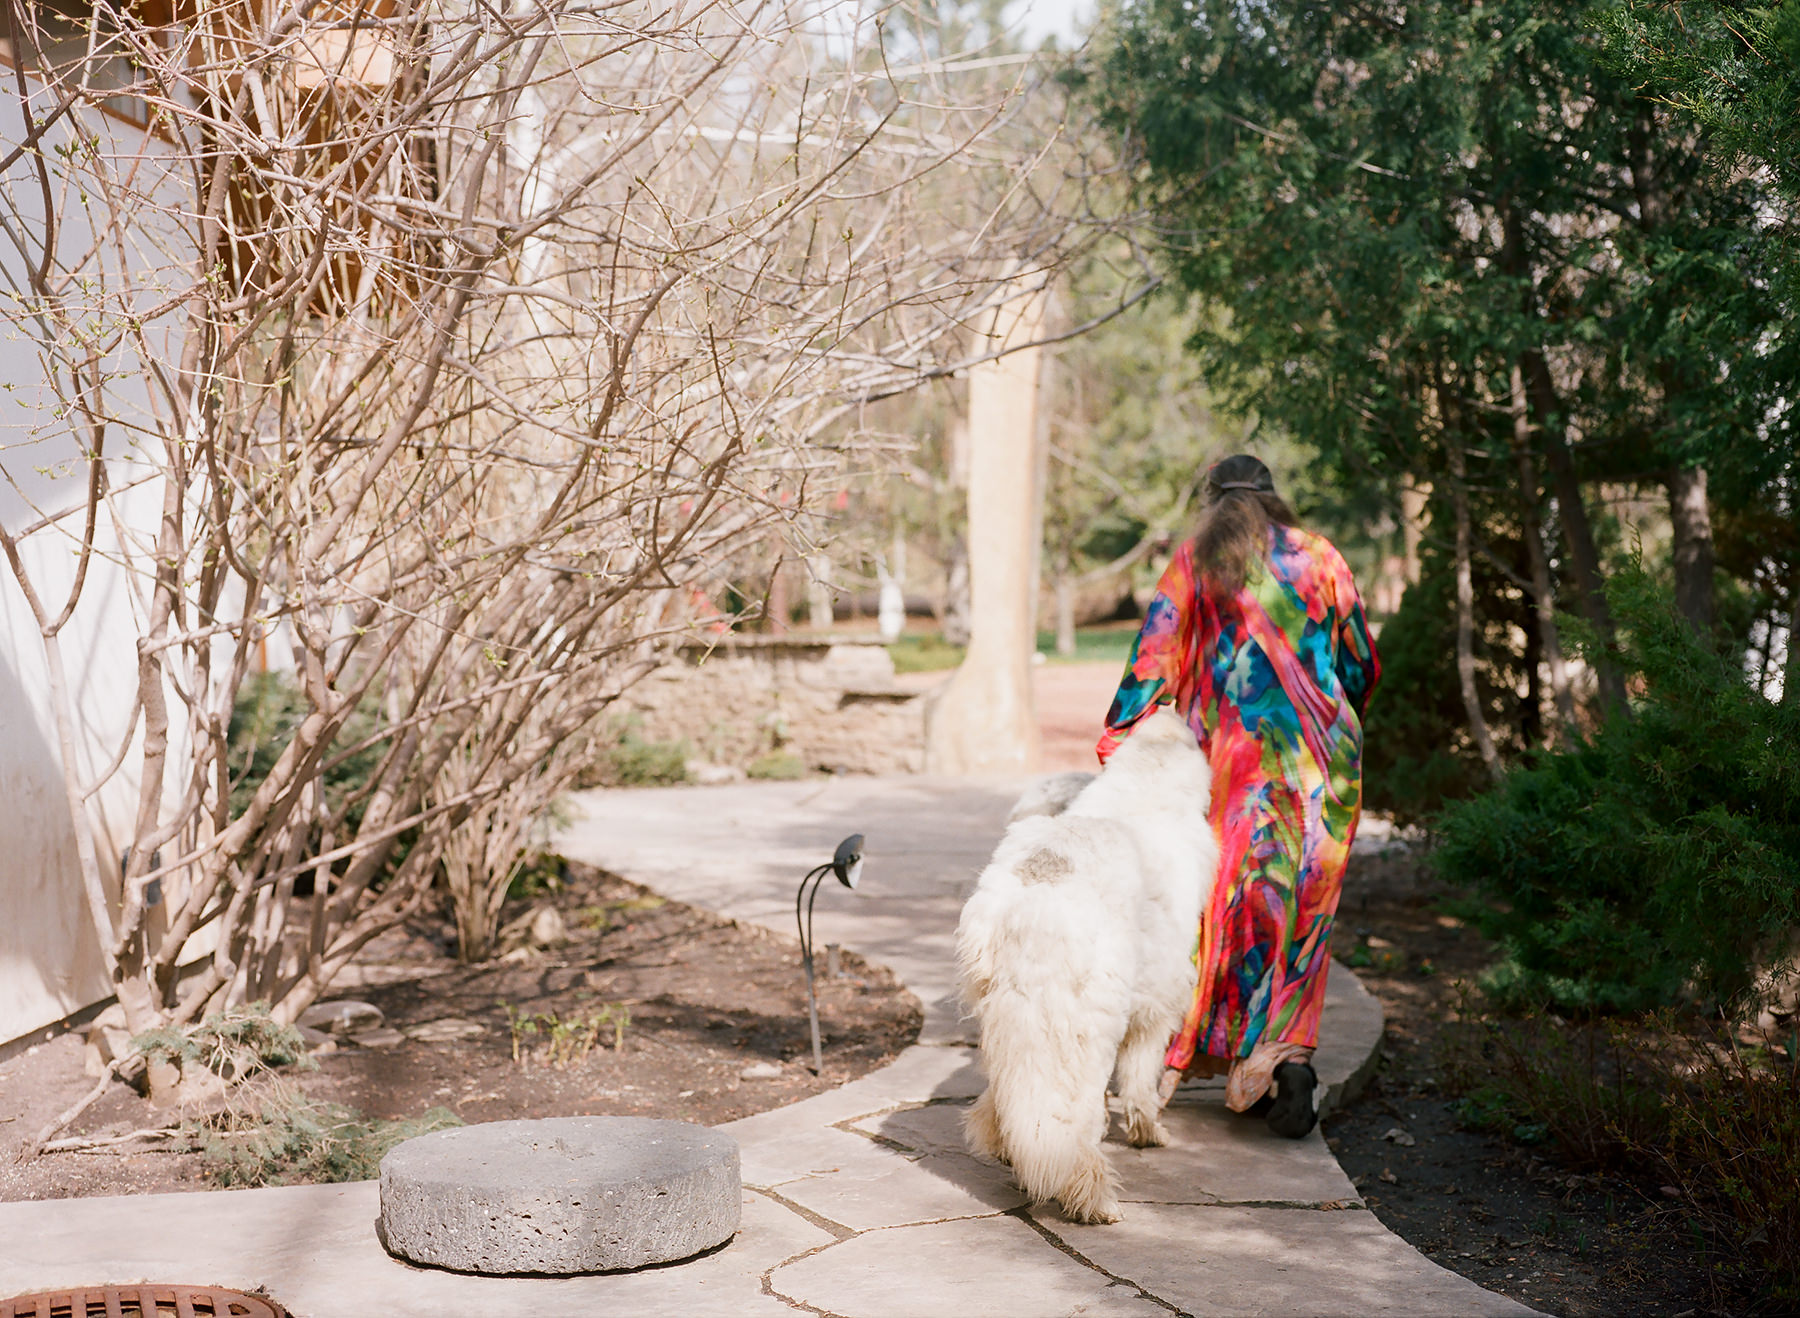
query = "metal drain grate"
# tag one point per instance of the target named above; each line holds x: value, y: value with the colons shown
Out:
x: 155, y: 1300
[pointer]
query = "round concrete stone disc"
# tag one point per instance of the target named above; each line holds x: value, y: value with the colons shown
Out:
x: 564, y: 1195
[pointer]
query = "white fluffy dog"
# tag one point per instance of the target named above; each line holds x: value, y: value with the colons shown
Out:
x: 1075, y: 953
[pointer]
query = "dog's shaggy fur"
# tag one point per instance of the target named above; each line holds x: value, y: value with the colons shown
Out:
x: 1075, y: 953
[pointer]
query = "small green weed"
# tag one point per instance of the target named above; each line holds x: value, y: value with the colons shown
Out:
x: 565, y: 1041
x: 607, y: 915
x: 1487, y: 1109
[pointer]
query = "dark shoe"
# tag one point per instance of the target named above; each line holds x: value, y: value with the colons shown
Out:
x: 1295, y: 1110
x: 1260, y: 1108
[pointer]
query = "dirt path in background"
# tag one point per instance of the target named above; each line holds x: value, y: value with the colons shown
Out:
x: 1072, y: 700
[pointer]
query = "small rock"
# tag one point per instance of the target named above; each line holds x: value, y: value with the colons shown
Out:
x: 1669, y: 1192
x: 378, y: 1038
x: 316, y: 1040
x: 1379, y: 944
x: 447, y: 1030
x: 1396, y: 1135
x: 345, y: 1016
x: 1388, y: 1177
x: 547, y: 927
x: 761, y: 1071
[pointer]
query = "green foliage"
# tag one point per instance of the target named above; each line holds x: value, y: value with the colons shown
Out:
x: 235, y: 1044
x: 269, y: 707
x: 1392, y: 217
x: 1405, y: 229
x: 924, y: 652
x: 537, y: 872
x: 608, y: 915
x: 631, y: 761
x: 1418, y: 755
x: 777, y: 765
x: 1093, y: 645
x: 291, y: 1139
x: 1663, y: 852
x: 1734, y: 67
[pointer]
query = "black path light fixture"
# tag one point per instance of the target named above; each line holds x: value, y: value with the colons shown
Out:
x: 846, y: 862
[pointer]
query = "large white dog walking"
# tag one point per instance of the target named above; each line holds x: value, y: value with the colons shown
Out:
x: 1076, y: 956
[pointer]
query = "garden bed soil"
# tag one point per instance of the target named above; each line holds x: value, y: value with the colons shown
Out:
x: 1501, y: 1212
x: 717, y: 1030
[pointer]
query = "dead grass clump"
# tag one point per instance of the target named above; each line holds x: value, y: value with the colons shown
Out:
x: 1733, y: 1150
x: 1595, y: 1089
x: 1691, y: 1110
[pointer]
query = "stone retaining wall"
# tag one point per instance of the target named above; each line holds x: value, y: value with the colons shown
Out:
x: 829, y: 700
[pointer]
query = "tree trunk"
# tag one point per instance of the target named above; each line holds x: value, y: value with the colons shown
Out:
x: 1413, y: 499
x: 1542, y: 593
x: 1065, y: 611
x: 1693, y: 546
x: 821, y: 616
x: 1578, y: 532
x: 1465, y: 620
x: 1790, y: 677
x: 956, y: 593
x: 777, y: 606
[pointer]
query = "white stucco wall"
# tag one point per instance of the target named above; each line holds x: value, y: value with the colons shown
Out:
x: 50, y: 961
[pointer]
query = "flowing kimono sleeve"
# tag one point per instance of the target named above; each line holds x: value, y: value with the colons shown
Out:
x: 1357, y: 665
x: 1161, y: 657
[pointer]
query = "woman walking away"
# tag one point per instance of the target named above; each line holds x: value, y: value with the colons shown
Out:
x: 1257, y: 636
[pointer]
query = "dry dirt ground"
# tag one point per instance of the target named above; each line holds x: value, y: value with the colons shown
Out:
x: 707, y: 1001
x: 1501, y: 1213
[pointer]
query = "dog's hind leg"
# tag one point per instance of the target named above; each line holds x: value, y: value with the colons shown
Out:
x: 1090, y: 1194
x: 981, y: 1129
x: 1140, y: 1068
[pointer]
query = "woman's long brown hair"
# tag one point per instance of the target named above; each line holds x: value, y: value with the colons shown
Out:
x: 1234, y: 530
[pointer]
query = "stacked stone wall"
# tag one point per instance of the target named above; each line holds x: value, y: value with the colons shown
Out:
x: 830, y: 702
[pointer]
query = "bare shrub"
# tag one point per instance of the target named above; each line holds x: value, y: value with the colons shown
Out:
x: 431, y: 351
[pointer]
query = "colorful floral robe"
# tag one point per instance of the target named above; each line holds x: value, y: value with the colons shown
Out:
x: 1273, y: 681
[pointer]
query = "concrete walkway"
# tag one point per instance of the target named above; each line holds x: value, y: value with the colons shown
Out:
x: 859, y: 1202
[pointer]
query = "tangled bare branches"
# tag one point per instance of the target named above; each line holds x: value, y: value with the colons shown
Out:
x: 432, y: 351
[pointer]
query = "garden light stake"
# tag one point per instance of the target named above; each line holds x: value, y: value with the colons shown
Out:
x: 846, y: 863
